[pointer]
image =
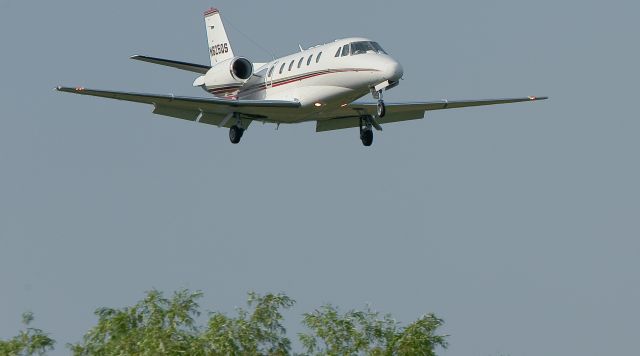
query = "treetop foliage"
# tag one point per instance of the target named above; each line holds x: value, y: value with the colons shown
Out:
x: 159, y: 326
x: 30, y: 341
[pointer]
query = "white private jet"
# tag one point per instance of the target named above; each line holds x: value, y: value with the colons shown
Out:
x: 317, y: 84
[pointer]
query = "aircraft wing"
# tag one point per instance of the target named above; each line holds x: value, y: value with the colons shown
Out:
x: 213, y: 111
x: 348, y: 116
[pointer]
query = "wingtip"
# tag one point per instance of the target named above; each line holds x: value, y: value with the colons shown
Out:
x: 69, y: 89
x: 536, y: 98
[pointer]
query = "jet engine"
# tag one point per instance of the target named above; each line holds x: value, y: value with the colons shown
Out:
x: 233, y: 71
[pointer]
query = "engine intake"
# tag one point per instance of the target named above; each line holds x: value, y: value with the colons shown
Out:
x: 241, y: 68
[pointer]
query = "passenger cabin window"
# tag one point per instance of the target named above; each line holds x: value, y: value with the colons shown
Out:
x: 318, y: 57
x: 345, y: 50
x: 362, y: 47
x: 271, y: 70
x: 282, y: 67
x: 300, y: 62
x: 291, y: 65
x: 309, y: 60
x: 338, y: 52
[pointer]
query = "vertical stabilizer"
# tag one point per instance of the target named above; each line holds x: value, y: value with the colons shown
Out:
x: 219, y: 46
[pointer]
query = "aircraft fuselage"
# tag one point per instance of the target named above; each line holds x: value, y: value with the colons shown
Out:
x: 321, y: 78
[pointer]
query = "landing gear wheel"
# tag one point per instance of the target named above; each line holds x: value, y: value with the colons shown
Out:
x: 235, y: 134
x: 366, y: 135
x: 366, y: 130
x: 382, y: 110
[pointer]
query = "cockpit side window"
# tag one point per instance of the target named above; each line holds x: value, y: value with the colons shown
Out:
x: 338, y: 53
x: 345, y: 50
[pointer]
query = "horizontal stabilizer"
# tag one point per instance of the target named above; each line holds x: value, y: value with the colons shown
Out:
x: 197, y: 68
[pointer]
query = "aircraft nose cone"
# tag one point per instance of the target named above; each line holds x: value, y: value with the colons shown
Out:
x: 393, y: 71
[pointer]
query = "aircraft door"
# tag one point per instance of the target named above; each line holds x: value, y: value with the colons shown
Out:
x: 269, y: 76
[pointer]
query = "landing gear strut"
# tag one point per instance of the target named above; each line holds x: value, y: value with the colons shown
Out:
x: 381, y: 109
x: 366, y: 131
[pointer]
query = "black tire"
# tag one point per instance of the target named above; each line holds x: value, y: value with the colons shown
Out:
x: 381, y: 109
x: 367, y: 137
x: 235, y: 134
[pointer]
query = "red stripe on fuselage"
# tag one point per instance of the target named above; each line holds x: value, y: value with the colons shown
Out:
x: 301, y: 77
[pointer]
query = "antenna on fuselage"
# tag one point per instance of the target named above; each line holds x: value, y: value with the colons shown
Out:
x: 301, y: 50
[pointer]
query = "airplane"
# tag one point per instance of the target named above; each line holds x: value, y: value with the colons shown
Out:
x: 320, y: 84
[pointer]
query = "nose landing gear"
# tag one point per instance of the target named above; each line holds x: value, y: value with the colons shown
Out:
x: 381, y: 109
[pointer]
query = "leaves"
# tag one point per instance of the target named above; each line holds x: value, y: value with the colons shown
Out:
x: 157, y: 325
x: 257, y: 331
x: 29, y: 342
x: 154, y: 326
x: 419, y: 338
x: 366, y: 332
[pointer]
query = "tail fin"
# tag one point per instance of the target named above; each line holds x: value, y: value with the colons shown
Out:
x: 219, y: 47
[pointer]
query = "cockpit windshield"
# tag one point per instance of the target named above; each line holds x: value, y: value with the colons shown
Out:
x: 362, y: 47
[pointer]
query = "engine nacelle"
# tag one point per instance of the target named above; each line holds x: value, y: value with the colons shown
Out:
x: 226, y: 78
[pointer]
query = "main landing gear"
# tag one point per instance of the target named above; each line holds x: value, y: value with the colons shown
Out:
x: 366, y: 130
x: 236, y: 131
x: 235, y: 134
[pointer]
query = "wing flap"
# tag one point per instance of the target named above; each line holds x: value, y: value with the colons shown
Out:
x: 222, y: 120
x: 189, y: 115
x: 354, y: 121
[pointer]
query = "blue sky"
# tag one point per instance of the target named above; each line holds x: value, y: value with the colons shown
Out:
x: 516, y: 224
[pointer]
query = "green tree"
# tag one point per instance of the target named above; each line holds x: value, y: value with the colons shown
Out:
x: 161, y: 326
x: 29, y: 342
x: 154, y: 326
x: 366, y: 332
x: 257, y: 331
x: 169, y: 326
